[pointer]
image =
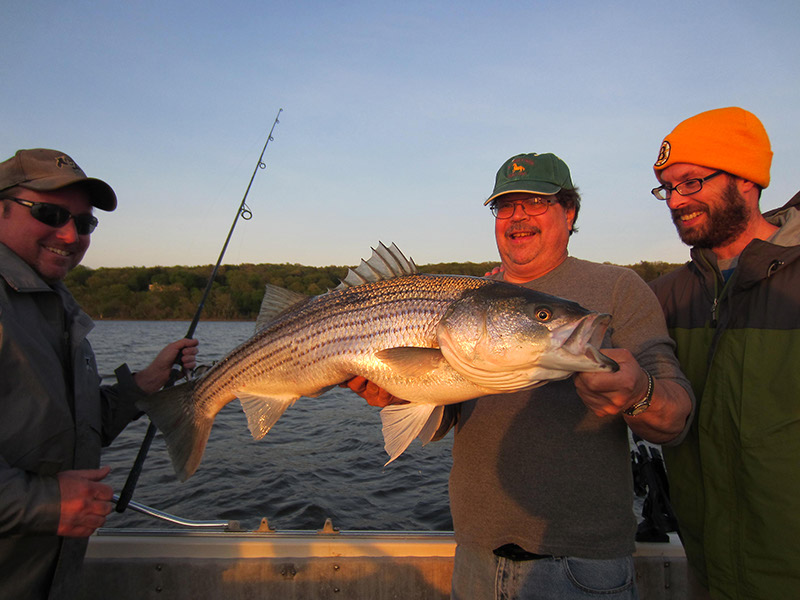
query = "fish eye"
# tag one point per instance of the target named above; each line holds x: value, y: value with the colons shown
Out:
x: 543, y: 314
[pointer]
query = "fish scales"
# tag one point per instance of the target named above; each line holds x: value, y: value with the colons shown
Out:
x: 401, y: 311
x: 430, y: 339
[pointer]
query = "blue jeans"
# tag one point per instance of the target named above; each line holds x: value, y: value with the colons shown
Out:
x: 480, y: 575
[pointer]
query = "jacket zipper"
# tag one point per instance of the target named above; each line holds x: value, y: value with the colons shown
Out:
x: 714, y: 307
x: 717, y: 293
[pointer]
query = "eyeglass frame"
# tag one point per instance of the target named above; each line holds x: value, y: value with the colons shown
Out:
x: 667, y: 189
x: 81, y: 221
x: 545, y: 200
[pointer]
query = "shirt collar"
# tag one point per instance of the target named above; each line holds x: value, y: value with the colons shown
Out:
x: 18, y: 274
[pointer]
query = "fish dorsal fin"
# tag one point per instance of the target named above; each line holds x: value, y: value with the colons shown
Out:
x: 277, y: 300
x: 385, y: 263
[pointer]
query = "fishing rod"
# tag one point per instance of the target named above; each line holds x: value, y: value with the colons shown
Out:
x: 245, y: 213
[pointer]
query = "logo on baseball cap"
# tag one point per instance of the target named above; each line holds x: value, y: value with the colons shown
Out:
x: 534, y: 173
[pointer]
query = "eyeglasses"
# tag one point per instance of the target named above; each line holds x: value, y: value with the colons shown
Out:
x: 54, y: 215
x: 530, y: 206
x: 684, y: 188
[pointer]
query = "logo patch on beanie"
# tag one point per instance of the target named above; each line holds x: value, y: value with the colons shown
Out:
x: 663, y: 154
x: 518, y: 167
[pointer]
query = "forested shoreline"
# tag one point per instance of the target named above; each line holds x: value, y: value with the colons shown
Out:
x: 173, y: 293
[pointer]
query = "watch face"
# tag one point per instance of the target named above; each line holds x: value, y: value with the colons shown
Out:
x: 643, y: 404
x: 638, y: 408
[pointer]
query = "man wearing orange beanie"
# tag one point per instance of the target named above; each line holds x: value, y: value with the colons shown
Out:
x: 734, y: 312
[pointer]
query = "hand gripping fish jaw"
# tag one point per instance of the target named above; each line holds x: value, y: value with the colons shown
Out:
x: 519, y: 339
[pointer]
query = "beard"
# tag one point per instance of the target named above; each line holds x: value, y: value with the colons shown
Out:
x: 726, y: 221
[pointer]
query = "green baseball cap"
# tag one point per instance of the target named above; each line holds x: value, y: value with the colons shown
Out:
x: 533, y: 173
x: 44, y: 170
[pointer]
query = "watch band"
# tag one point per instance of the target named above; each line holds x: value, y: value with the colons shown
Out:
x: 642, y: 405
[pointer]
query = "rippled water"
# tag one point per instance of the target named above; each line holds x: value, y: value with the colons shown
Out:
x: 324, y: 458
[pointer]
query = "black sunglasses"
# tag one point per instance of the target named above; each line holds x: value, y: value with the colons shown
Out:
x: 57, y: 216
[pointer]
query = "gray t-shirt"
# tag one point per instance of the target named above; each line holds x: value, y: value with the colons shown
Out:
x: 538, y: 468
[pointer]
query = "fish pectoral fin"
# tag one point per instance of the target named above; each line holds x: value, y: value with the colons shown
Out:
x: 410, y: 361
x: 263, y: 412
x: 404, y: 422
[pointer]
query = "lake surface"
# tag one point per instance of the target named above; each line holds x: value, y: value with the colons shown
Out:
x: 324, y: 458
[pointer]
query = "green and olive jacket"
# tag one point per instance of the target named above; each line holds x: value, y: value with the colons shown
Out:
x: 735, y: 480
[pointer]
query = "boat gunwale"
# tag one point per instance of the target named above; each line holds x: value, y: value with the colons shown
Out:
x: 279, y: 544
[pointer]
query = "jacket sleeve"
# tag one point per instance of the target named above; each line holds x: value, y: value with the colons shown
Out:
x: 29, y: 503
x: 119, y: 404
x: 640, y: 327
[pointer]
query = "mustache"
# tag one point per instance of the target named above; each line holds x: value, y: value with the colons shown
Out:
x: 520, y: 228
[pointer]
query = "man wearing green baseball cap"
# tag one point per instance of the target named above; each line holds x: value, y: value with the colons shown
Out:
x: 540, y: 488
x: 56, y: 415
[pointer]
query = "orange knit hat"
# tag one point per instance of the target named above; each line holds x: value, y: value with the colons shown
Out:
x: 730, y: 139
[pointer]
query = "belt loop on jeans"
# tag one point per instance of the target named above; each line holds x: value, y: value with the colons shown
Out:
x: 514, y: 552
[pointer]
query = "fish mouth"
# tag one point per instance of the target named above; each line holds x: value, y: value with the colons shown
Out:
x: 586, y: 338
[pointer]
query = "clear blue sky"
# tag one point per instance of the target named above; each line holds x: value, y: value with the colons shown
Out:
x: 396, y: 116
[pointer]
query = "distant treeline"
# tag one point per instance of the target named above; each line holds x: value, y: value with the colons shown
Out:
x: 173, y: 293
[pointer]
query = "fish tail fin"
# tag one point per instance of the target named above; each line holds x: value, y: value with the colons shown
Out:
x: 404, y: 422
x: 184, y: 427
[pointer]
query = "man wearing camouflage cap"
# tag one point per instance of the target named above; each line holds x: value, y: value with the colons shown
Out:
x: 734, y: 312
x: 56, y: 415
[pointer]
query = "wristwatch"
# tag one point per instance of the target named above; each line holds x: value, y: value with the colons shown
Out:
x: 642, y: 405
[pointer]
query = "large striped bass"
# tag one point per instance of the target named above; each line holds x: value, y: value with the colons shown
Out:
x: 430, y: 339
